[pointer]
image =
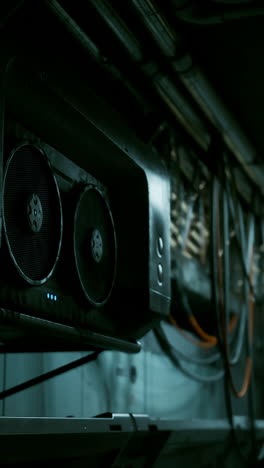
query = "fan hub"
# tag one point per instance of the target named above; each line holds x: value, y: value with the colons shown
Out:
x: 97, y: 245
x: 34, y: 213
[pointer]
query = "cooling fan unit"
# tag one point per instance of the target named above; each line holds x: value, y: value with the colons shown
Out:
x: 93, y: 282
x: 59, y: 243
x: 32, y: 214
x: 94, y: 245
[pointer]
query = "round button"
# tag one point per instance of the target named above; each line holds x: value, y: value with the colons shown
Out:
x: 160, y: 274
x: 160, y: 246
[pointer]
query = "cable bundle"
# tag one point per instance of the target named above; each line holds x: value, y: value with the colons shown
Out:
x: 235, y: 334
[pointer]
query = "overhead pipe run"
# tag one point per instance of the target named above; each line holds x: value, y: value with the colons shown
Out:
x: 180, y: 106
x: 201, y: 90
x: 230, y: 2
x: 195, y: 83
x: 219, y: 12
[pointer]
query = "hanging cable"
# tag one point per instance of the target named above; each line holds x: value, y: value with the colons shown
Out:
x: 237, y: 215
x: 206, y: 340
x: 166, y: 347
x: 221, y: 290
x: 236, y: 340
x: 248, y: 254
x: 212, y: 358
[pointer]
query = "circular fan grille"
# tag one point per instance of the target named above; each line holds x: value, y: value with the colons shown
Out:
x: 32, y: 214
x: 94, y: 246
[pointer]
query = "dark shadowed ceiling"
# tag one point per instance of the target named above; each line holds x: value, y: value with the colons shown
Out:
x: 232, y: 56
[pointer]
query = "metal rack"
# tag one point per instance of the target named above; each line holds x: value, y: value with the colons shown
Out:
x: 24, y: 333
x: 119, y: 440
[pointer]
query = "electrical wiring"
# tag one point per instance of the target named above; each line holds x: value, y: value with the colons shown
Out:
x: 247, y: 253
x: 221, y: 292
x: 249, y: 292
x: 224, y: 306
x: 175, y: 358
x: 231, y: 211
x: 206, y: 360
x: 238, y: 224
x: 207, y: 343
x: 207, y: 347
x: 178, y: 357
x: 202, y: 220
x: 219, y: 375
x: 239, y: 341
x: 190, y: 338
x: 207, y: 340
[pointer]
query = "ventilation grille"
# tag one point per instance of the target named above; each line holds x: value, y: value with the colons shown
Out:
x: 32, y: 214
x: 94, y: 246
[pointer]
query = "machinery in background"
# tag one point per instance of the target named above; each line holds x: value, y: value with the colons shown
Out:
x: 64, y: 249
x: 100, y: 110
x: 216, y: 249
x: 60, y: 243
x: 70, y: 279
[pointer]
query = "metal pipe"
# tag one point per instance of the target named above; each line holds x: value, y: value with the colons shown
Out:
x: 178, y: 105
x: 201, y: 90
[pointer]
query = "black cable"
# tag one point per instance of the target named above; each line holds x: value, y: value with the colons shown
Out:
x: 180, y: 293
x: 216, y: 356
x: 48, y: 375
x: 249, y: 347
x: 247, y: 249
x: 226, y: 277
x: 174, y: 354
x: 212, y: 359
x: 216, y: 301
x: 193, y: 198
x: 246, y: 252
x: 238, y: 226
x: 238, y: 339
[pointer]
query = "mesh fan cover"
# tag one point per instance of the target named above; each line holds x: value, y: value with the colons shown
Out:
x: 28, y: 174
x: 93, y: 215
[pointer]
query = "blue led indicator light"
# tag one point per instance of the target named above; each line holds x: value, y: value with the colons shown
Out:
x: 55, y: 298
x: 48, y: 295
x: 51, y: 296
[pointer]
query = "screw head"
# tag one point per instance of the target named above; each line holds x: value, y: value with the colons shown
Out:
x: 34, y: 213
x: 97, y: 246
